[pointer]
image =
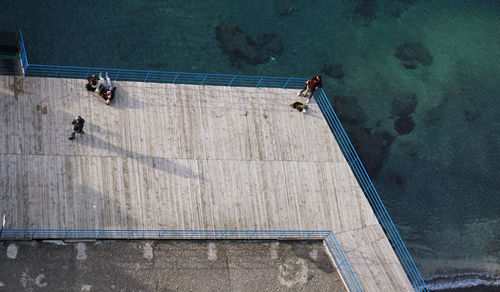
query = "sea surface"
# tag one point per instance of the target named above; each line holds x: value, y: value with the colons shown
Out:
x: 440, y: 181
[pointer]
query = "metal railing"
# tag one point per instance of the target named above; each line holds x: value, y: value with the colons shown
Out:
x: 35, y: 70
x: 327, y: 236
x: 22, y: 50
x: 255, y: 81
x: 367, y: 186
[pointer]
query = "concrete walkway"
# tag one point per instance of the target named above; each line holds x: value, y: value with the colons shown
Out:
x: 140, y: 265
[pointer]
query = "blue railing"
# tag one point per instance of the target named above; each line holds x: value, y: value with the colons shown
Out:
x: 327, y: 236
x: 22, y: 50
x: 256, y: 81
x: 370, y: 192
x: 34, y: 70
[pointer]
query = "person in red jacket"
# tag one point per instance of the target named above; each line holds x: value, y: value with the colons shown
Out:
x: 311, y: 85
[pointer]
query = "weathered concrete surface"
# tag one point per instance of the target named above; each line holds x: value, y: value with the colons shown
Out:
x: 141, y: 265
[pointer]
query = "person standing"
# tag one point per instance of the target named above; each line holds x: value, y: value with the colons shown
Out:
x: 311, y: 85
x: 77, y: 123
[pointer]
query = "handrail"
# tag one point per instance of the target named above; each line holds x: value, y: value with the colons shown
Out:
x: 36, y: 70
x: 368, y: 188
x: 22, y: 50
x: 327, y: 236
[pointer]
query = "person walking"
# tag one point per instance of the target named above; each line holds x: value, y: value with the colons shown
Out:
x: 77, y: 123
x: 311, y: 85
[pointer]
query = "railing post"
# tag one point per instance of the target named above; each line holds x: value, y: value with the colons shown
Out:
x: 222, y: 234
x: 203, y: 82
x: 147, y: 76
x: 251, y: 235
x: 309, y: 235
x: 116, y: 78
x: 24, y: 55
x: 281, y: 234
x: 234, y: 77
x: 339, y: 265
x: 259, y: 83
x: 175, y: 79
x: 284, y: 86
x: 58, y: 68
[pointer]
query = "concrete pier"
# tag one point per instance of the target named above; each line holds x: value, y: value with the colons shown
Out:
x: 166, y: 156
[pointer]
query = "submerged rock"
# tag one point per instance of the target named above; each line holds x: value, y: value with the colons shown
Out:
x: 241, y: 47
x: 285, y: 7
x: 434, y: 114
x: 408, y: 148
x: 471, y: 115
x: 413, y: 54
x: 396, y: 8
x: 333, y: 70
x: 404, y: 105
x: 270, y: 44
x: 234, y: 42
x: 348, y: 110
x: 371, y: 147
x: 366, y: 9
x: 371, y: 144
x: 398, y: 178
x: 404, y: 124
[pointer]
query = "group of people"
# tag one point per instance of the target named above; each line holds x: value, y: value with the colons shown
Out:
x: 102, y: 87
x: 312, y: 84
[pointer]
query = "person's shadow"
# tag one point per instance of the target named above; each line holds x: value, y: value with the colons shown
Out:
x: 126, y: 99
x: 159, y: 163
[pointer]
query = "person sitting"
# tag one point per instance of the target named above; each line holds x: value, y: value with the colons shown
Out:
x: 103, y: 85
x: 311, y: 85
x: 91, y: 83
x: 109, y: 95
x: 299, y: 106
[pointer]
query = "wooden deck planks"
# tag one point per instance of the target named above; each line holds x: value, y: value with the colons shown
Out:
x: 166, y: 156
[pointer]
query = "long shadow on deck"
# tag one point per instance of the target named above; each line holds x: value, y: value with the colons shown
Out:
x: 159, y: 163
x: 135, y: 97
x: 126, y: 99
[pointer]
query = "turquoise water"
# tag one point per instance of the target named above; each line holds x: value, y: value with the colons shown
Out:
x: 440, y: 182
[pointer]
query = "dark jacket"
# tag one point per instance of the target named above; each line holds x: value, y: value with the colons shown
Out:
x: 78, y: 123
